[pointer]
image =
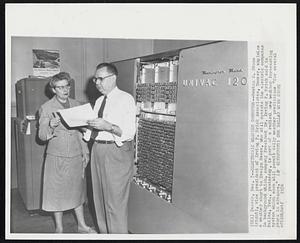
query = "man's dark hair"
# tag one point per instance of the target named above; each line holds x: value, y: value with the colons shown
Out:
x: 111, y: 68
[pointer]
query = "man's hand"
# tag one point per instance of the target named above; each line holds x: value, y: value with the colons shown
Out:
x: 100, y: 124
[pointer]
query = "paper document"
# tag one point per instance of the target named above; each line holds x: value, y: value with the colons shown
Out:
x: 78, y: 115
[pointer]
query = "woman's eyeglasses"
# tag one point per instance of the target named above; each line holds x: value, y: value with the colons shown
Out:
x: 63, y: 87
x: 95, y: 80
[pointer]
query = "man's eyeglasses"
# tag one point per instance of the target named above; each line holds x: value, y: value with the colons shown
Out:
x: 95, y: 80
x: 63, y: 87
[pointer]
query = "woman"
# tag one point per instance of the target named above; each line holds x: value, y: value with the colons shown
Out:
x: 67, y: 156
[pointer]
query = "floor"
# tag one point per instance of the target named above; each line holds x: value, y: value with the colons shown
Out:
x: 38, y: 221
x: 23, y: 221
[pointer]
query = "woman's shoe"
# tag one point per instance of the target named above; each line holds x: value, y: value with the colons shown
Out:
x: 88, y: 230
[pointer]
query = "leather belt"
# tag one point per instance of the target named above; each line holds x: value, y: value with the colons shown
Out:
x: 104, y: 142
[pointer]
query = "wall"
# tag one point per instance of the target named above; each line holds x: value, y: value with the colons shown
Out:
x: 93, y: 54
x: 78, y: 57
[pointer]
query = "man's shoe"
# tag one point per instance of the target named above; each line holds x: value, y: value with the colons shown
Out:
x: 89, y: 230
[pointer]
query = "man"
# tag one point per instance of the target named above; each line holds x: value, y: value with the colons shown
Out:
x: 112, y: 152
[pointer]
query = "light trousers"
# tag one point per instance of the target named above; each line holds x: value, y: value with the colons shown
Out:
x: 112, y: 171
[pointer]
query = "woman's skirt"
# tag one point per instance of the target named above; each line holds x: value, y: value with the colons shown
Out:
x: 64, y: 184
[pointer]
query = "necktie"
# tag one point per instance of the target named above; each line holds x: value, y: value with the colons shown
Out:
x: 100, y: 115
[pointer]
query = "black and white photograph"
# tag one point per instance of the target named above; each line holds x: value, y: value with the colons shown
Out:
x: 45, y: 62
x: 138, y: 133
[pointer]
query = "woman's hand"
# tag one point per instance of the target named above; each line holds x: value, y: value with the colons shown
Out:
x: 85, y: 161
x: 54, y: 122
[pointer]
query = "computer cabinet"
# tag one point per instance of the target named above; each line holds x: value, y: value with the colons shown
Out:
x: 191, y: 142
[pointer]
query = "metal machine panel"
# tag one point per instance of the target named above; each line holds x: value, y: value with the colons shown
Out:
x: 13, y: 162
x: 30, y: 157
x: 127, y: 75
x: 31, y: 93
x: 24, y: 174
x: 150, y: 214
x: 37, y: 164
x: 209, y: 190
x: 210, y: 167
